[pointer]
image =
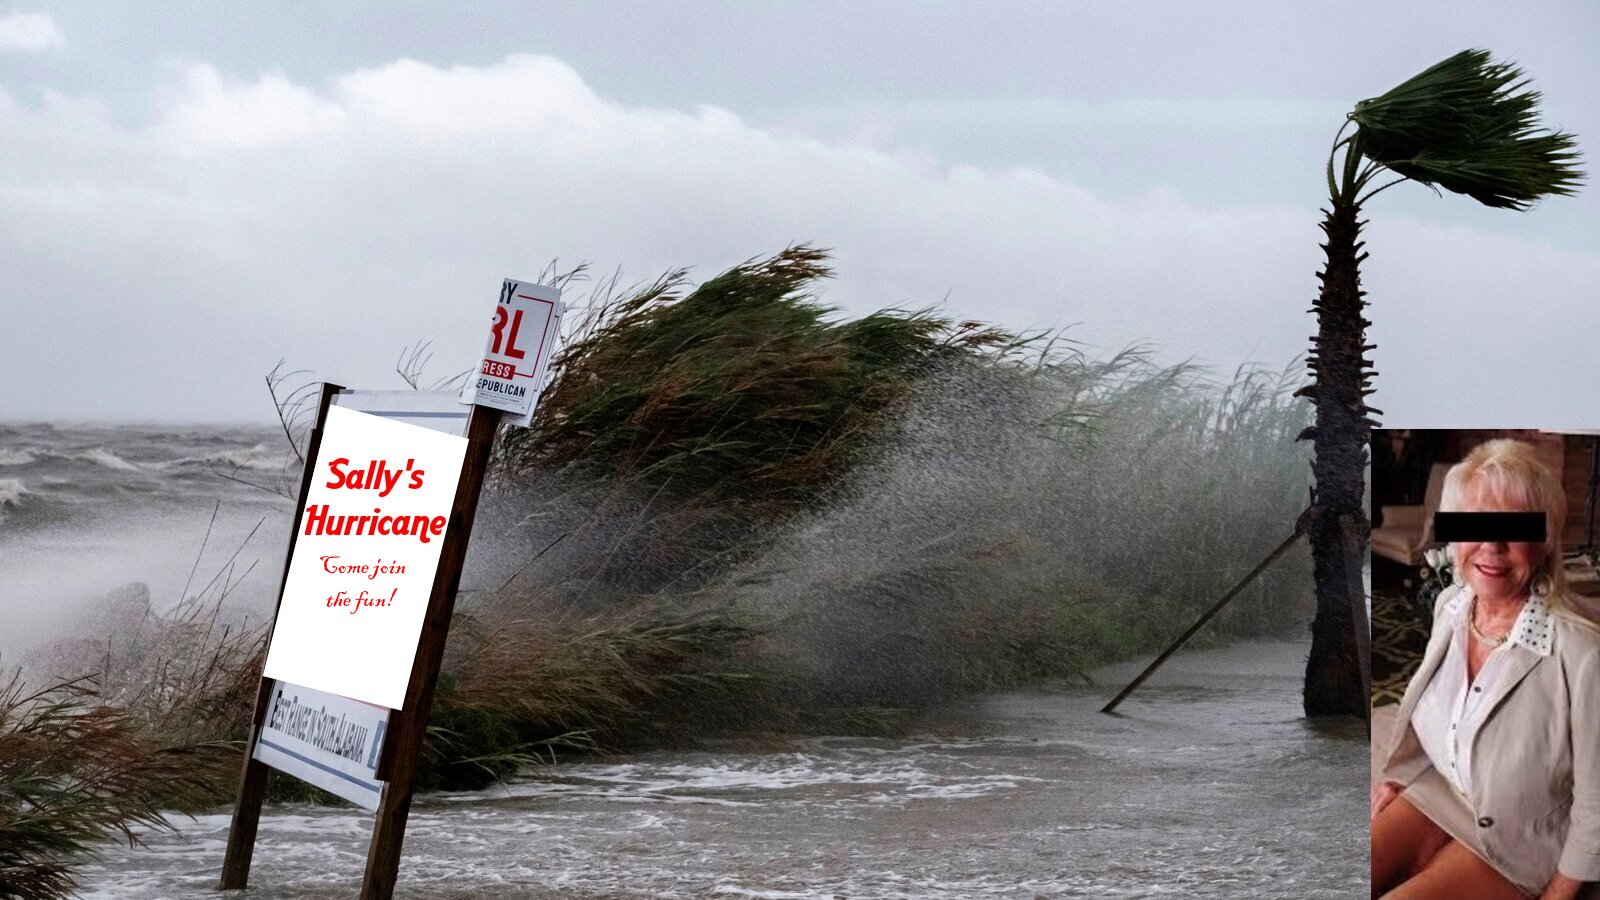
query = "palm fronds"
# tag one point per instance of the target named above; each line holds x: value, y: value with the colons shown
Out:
x: 1467, y: 125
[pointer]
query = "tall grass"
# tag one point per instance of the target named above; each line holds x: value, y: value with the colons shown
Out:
x: 742, y: 383
x: 528, y: 689
x: 74, y: 771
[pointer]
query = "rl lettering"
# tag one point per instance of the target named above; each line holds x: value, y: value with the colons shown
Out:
x: 498, y: 331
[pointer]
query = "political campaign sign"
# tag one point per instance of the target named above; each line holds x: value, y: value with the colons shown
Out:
x: 525, y: 327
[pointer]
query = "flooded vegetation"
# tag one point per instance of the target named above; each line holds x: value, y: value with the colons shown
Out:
x: 892, y: 553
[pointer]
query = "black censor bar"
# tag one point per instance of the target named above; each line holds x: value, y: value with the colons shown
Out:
x: 1489, y: 527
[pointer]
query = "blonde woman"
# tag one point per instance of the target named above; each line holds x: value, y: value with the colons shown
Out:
x: 1491, y: 786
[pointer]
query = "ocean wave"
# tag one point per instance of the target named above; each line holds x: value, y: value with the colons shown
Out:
x: 262, y: 456
x: 100, y: 456
x: 12, y: 490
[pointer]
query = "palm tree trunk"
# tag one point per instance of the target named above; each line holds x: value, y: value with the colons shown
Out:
x: 1340, y: 374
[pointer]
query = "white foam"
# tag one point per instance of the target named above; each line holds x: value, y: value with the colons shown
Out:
x: 868, y: 778
x: 16, y: 457
x: 12, y: 490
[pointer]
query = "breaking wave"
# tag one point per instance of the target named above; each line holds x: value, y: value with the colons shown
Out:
x: 264, y: 457
x: 100, y: 456
x: 12, y: 490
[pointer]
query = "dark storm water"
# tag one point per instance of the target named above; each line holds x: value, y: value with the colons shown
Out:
x: 1209, y: 785
x: 87, y: 509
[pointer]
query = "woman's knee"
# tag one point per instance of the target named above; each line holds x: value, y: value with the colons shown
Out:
x: 1454, y: 871
x: 1403, y: 842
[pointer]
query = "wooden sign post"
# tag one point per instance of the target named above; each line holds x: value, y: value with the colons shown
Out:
x: 403, y: 745
x: 402, y: 740
x: 525, y: 328
x: 253, y: 776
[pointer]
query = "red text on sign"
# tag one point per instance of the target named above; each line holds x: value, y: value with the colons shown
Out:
x: 498, y: 329
x: 496, y: 369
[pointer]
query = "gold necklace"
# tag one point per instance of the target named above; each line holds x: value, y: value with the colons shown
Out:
x: 1472, y: 622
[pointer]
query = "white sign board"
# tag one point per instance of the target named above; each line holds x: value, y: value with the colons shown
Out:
x: 526, y: 325
x: 325, y: 740
x: 365, y: 557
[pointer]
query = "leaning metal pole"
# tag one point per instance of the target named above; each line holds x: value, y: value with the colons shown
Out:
x: 1260, y: 567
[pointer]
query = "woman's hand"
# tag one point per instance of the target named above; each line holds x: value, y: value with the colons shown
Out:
x: 1383, y: 794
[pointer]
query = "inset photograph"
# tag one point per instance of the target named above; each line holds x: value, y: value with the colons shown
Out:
x: 1485, y: 663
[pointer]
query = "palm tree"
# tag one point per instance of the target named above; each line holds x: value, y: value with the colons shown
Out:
x: 1466, y: 125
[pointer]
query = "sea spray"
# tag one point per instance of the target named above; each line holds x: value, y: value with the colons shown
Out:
x: 1023, y: 521
x: 12, y: 492
x: 73, y: 528
x: 1029, y: 524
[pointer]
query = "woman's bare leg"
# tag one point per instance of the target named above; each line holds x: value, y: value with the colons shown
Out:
x: 1403, y: 842
x: 1455, y: 872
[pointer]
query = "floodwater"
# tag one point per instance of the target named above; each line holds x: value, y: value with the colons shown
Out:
x: 1207, y: 784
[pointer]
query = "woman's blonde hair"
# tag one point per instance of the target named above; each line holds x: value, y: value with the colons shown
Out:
x: 1508, y: 473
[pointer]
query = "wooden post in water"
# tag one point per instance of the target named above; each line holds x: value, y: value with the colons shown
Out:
x: 253, y: 774
x: 403, y: 743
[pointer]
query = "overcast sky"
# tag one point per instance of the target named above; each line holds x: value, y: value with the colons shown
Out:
x: 192, y: 191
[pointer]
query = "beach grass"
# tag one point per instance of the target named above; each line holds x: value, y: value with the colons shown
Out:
x: 75, y: 770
